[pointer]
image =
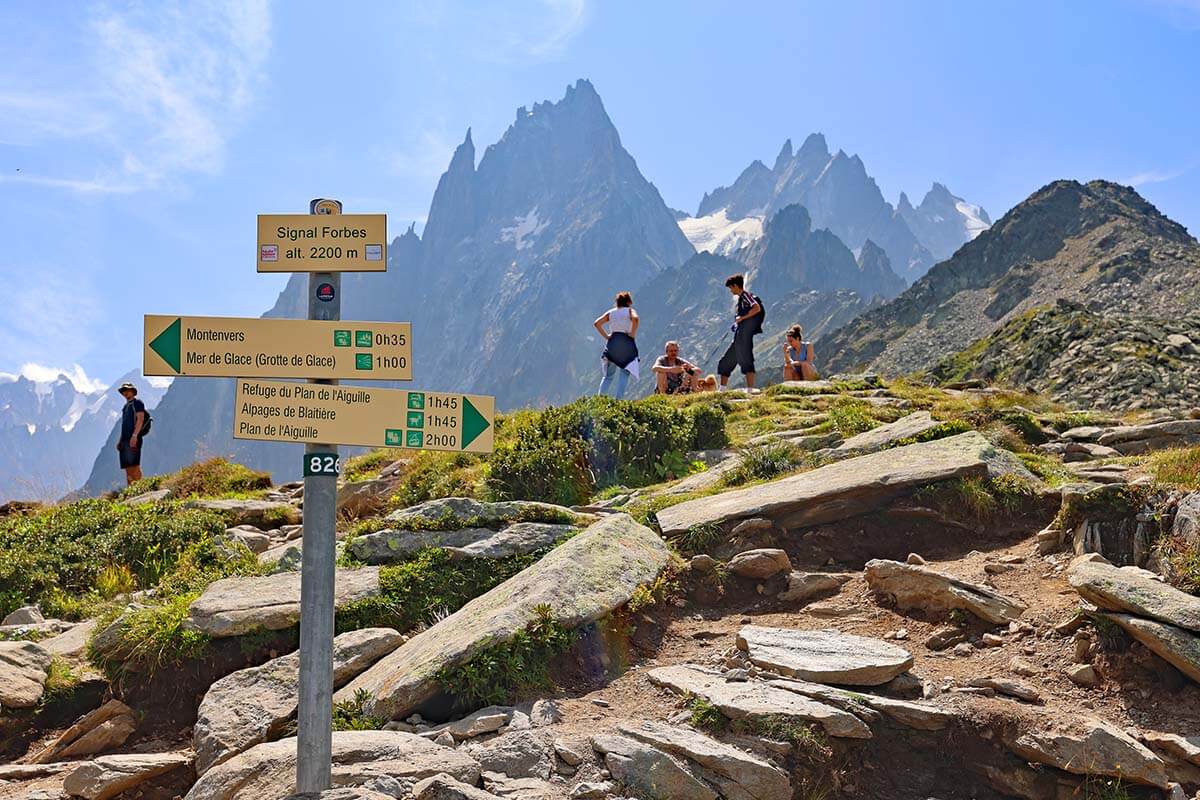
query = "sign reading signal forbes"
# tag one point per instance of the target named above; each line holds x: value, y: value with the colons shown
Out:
x: 322, y: 242
x: 236, y: 347
x: 312, y: 413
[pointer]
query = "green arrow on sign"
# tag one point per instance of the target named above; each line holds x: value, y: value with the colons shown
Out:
x: 166, y: 344
x: 474, y: 423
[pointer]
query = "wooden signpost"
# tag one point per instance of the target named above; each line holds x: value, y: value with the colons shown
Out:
x: 320, y: 414
x: 276, y: 348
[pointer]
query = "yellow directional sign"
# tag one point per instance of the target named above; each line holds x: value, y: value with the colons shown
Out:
x: 236, y: 347
x: 322, y: 242
x: 298, y: 412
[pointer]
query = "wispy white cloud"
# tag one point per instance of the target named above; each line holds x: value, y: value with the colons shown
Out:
x: 158, y: 94
x: 51, y: 316
x: 1157, y: 176
x: 564, y: 19
x: 426, y: 158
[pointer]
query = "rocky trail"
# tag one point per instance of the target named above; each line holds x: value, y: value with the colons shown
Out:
x: 986, y: 605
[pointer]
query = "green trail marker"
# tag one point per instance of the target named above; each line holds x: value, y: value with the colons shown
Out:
x: 166, y: 344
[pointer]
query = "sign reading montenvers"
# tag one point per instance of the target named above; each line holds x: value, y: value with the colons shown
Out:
x: 322, y: 242
x: 237, y: 347
x: 296, y: 412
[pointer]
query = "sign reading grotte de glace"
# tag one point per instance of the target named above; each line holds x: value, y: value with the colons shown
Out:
x: 320, y: 414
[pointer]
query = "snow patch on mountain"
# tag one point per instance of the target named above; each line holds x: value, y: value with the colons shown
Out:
x: 720, y: 235
x: 525, y: 228
x: 973, y: 218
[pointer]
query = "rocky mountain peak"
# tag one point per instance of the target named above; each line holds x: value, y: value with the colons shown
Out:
x: 814, y: 145
x: 785, y: 155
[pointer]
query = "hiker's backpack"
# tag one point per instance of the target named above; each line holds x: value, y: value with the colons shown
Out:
x: 146, y: 423
x: 762, y: 314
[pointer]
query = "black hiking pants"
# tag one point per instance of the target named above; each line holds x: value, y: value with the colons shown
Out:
x: 740, y: 352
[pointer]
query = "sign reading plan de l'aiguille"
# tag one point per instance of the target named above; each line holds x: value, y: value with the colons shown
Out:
x: 322, y: 242
x: 313, y: 413
x: 237, y: 347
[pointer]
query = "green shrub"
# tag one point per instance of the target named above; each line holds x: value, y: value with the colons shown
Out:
x: 69, y: 555
x: 978, y: 499
x: 432, y: 475
x: 1179, y: 468
x: 708, y: 425
x: 504, y: 671
x: 564, y: 454
x: 698, y: 538
x: 149, y: 639
x: 706, y: 716
x: 215, y: 477
x: 1182, y: 558
x: 764, y: 461
x: 368, y: 465
x: 351, y: 715
x: 850, y: 417
x: 431, y: 583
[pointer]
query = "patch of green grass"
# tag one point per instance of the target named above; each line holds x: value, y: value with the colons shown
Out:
x: 215, y: 477
x: 369, y: 465
x: 61, y: 680
x: 657, y: 591
x: 850, y: 417
x: 70, y: 557
x: 764, y: 462
x: 977, y: 499
x: 504, y: 671
x: 431, y: 583
x: 148, y: 639
x: 1182, y: 559
x: 942, y: 430
x: 698, y: 538
x: 351, y: 715
x: 1179, y: 468
x: 565, y: 454
x: 431, y: 475
x: 1048, y: 468
x: 706, y: 716
x: 1108, y: 503
x: 1099, y: 788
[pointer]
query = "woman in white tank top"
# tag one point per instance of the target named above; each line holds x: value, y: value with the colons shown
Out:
x: 620, y: 358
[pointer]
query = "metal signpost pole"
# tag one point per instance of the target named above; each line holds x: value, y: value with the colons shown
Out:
x: 314, y: 748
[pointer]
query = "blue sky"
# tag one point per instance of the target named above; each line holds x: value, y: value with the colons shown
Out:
x: 138, y: 141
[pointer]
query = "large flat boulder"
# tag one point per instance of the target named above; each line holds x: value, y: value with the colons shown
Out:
x: 753, y: 700
x: 1179, y: 647
x: 261, y: 514
x: 251, y: 705
x: 648, y: 771
x: 455, y: 513
x: 269, y: 770
x: 109, y: 776
x: 885, y: 436
x: 1136, y: 439
x: 1091, y: 747
x: 580, y: 581
x: 1135, y: 591
x: 919, y: 716
x: 23, y: 671
x: 720, y: 764
x: 847, y: 488
x: 824, y: 656
x: 391, y: 545
x: 235, y: 606
x: 914, y: 586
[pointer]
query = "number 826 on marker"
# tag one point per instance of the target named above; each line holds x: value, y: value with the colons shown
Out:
x: 322, y: 464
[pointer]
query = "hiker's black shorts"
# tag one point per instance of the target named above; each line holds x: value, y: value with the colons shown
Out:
x: 130, y: 456
x: 739, y: 354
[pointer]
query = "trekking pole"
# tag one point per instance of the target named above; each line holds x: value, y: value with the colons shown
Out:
x: 716, y: 349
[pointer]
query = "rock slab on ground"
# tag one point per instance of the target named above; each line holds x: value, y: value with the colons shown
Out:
x: 907, y: 427
x: 1091, y: 747
x: 261, y: 514
x: 1135, y: 591
x: 236, y: 606
x: 754, y: 700
x: 761, y: 563
x: 824, y: 656
x: 23, y: 671
x: 359, y: 757
x: 580, y: 581
x: 721, y: 764
x: 914, y: 586
x: 1178, y: 647
x: 847, y: 488
x: 390, y: 545
x: 109, y: 776
x: 249, y: 706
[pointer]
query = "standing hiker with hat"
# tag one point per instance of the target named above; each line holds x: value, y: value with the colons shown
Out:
x: 620, y: 358
x: 134, y: 426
